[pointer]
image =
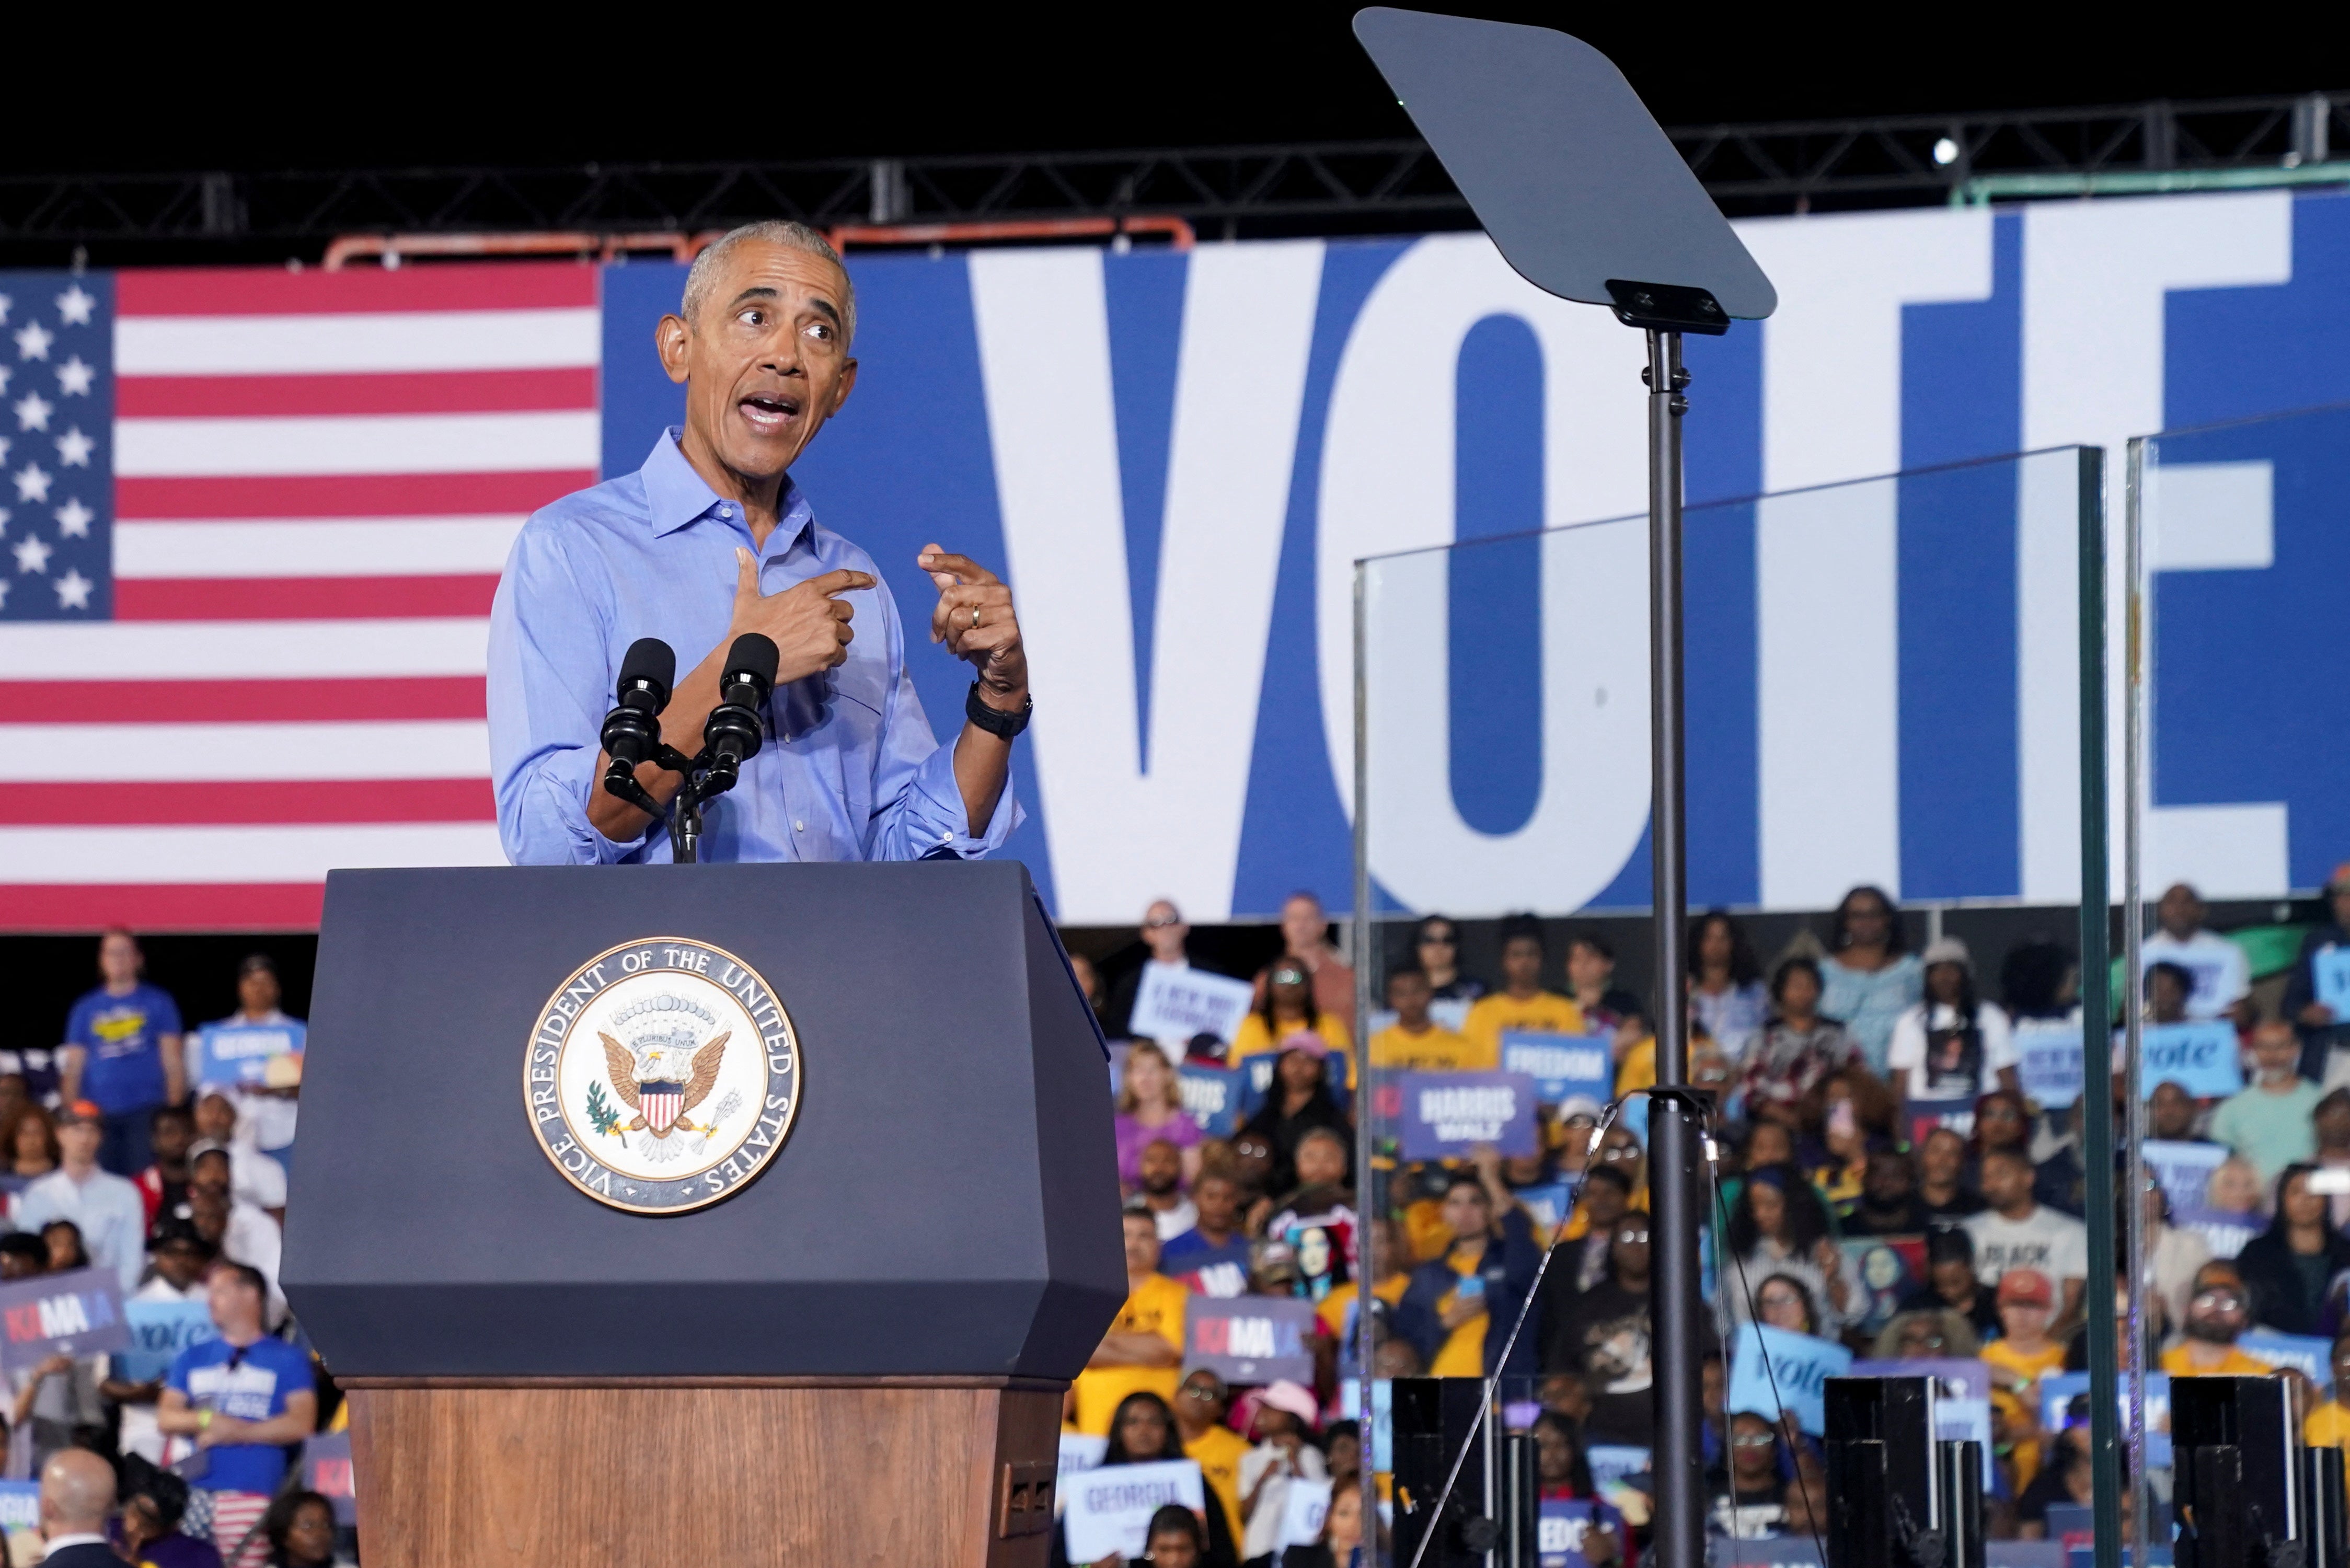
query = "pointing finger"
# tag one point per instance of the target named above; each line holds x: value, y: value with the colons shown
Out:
x: 842, y: 581
x: 943, y: 565
x: 746, y: 573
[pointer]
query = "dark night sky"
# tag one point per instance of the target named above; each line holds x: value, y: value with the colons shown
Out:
x: 773, y: 84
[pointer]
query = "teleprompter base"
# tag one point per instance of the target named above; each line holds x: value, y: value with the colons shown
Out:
x: 550, y: 1472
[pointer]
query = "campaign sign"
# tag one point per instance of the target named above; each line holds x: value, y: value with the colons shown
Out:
x: 74, y: 1313
x: 326, y: 1471
x: 1795, y: 1379
x: 1212, y: 1097
x: 1613, y: 1463
x: 2329, y: 971
x: 1081, y: 1451
x: 1562, y: 1066
x: 158, y: 1332
x: 1962, y: 1398
x: 1447, y: 1115
x: 2059, y: 1389
x: 1108, y: 1509
x: 2183, y: 1170
x: 2049, y: 1064
x: 2200, y: 1058
x: 1308, y: 1505
x: 233, y: 1053
x: 2072, y: 1526
x: 1174, y: 1004
x: 2310, y: 1356
x: 1250, y: 1339
x: 2226, y: 1232
x: 1550, y: 1204
x: 1560, y: 1532
x: 20, y: 1506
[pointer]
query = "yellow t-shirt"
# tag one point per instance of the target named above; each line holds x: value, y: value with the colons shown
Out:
x: 1155, y: 1308
x: 1333, y: 1310
x: 1639, y: 1068
x: 1463, y: 1354
x: 2241, y: 1363
x: 1543, y: 1013
x: 2328, y: 1427
x: 1434, y: 1050
x: 2035, y: 1365
x: 1218, y: 1452
x: 1255, y: 1040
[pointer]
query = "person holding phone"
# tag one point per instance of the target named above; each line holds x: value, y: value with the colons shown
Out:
x: 1479, y: 1283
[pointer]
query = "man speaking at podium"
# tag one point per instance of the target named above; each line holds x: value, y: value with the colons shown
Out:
x: 711, y: 540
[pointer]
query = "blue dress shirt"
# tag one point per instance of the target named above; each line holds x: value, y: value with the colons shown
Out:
x: 850, y: 770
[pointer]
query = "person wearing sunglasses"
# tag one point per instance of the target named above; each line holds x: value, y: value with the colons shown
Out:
x: 1200, y: 1406
x: 1747, y: 1492
x: 1436, y: 943
x: 2216, y: 1316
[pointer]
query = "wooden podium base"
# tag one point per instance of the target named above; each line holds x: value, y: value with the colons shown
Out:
x: 550, y: 1472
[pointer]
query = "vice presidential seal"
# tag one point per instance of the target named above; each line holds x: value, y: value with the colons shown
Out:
x: 663, y: 1076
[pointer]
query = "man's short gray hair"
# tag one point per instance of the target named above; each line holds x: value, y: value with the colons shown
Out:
x: 790, y: 233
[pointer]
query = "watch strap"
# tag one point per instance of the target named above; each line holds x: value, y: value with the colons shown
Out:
x: 994, y: 720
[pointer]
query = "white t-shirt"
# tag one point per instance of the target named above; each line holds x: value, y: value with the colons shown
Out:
x: 1262, y: 1534
x: 1173, y: 1222
x: 2055, y: 1244
x: 2222, y: 976
x: 1943, y: 1064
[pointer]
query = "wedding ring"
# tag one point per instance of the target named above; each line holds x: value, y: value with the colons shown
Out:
x: 974, y: 615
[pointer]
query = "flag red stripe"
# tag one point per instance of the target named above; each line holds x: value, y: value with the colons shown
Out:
x: 214, y: 802
x: 241, y: 702
x: 345, y: 494
x: 164, y: 907
x: 417, y: 392
x: 273, y: 291
x: 300, y: 598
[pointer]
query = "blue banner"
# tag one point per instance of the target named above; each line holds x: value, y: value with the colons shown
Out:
x: 1772, y: 1370
x: 1560, y: 1532
x: 2201, y: 1058
x: 2310, y: 1357
x: 1562, y: 1066
x: 2050, y: 1065
x: 229, y: 1055
x: 158, y: 1332
x: 75, y: 1313
x: 2226, y: 1233
x: 2183, y: 1170
x: 1213, y: 1096
x: 1445, y: 1115
x: 2330, y: 969
x: 20, y: 1508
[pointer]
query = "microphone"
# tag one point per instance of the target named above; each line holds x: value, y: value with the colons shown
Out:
x: 733, y: 731
x: 631, y: 735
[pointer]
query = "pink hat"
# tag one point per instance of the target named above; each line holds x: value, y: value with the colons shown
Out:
x: 1295, y: 1398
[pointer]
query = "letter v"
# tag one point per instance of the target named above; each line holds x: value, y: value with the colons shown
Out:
x: 1121, y: 837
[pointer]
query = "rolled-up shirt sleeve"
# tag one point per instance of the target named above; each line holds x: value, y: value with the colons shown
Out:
x: 917, y: 807
x: 549, y: 687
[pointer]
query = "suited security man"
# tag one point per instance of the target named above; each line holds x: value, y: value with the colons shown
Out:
x: 76, y: 1494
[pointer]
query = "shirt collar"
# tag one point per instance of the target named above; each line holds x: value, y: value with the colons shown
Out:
x: 677, y: 496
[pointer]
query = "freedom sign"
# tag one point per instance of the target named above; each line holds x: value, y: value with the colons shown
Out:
x: 1108, y: 1509
x: 75, y: 1313
x: 1562, y: 1066
x: 229, y: 1055
x: 1795, y: 1378
x: 1173, y: 1005
x: 1447, y: 1115
x: 1250, y: 1339
x: 2200, y: 1058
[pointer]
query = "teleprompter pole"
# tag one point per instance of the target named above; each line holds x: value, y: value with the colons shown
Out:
x: 1675, y: 1140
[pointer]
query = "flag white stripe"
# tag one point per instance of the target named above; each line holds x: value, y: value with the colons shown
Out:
x: 241, y: 649
x: 299, y: 852
x: 358, y: 443
x: 387, y: 341
x: 171, y: 753
x: 345, y: 547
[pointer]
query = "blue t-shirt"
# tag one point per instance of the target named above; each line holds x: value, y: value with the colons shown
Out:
x: 1208, y: 1269
x: 251, y: 1384
x: 124, y: 1070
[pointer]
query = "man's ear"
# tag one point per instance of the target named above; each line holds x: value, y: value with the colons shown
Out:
x: 847, y: 385
x: 670, y: 337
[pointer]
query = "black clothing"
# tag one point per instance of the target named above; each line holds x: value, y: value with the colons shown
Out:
x: 83, y: 1554
x: 1964, y: 1204
x: 2060, y: 1182
x: 2279, y: 1279
x: 1604, y: 1335
x: 1982, y: 1317
x: 1281, y: 1133
x: 1906, y: 1217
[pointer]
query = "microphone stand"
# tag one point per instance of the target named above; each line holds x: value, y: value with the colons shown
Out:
x: 685, y: 811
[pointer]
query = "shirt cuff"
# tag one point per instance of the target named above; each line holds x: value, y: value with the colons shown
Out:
x: 937, y: 821
x: 570, y: 781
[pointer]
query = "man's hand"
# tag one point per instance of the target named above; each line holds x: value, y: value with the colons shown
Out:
x: 808, y: 625
x: 976, y: 619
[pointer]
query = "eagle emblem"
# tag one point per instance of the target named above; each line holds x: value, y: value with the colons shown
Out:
x: 663, y: 1073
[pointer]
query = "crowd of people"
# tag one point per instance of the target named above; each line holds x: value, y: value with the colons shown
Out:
x: 125, y: 1159
x: 1885, y: 1187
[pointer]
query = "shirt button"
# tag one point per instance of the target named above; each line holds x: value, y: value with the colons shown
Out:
x: 725, y: 511
x: 799, y: 828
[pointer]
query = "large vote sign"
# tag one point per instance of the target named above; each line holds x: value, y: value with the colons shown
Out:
x: 159, y: 1331
x: 1562, y: 1066
x: 1107, y: 1511
x: 1250, y: 1339
x: 2201, y: 1058
x: 1445, y: 1115
x: 231, y: 1056
x: 79, y: 1313
x: 1772, y: 1370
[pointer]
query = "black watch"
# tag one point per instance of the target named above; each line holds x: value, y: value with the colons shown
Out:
x: 994, y: 720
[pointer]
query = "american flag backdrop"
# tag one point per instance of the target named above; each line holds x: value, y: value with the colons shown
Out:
x: 252, y: 522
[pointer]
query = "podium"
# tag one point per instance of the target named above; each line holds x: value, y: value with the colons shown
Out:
x: 563, y: 1342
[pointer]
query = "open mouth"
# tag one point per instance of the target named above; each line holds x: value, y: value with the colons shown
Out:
x: 769, y: 413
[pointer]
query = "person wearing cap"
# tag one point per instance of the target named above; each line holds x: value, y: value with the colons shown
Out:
x: 1522, y: 1004
x: 2024, y: 1353
x: 1291, y: 1014
x: 1284, y: 1418
x: 266, y: 1111
x: 1953, y: 1045
x: 2324, y: 1026
x: 180, y: 1258
x: 122, y: 1052
x: 108, y: 1210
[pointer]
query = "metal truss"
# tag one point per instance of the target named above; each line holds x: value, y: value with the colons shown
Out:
x: 1337, y: 188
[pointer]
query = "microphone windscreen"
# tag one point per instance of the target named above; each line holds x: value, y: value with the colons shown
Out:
x: 753, y: 653
x: 652, y: 662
